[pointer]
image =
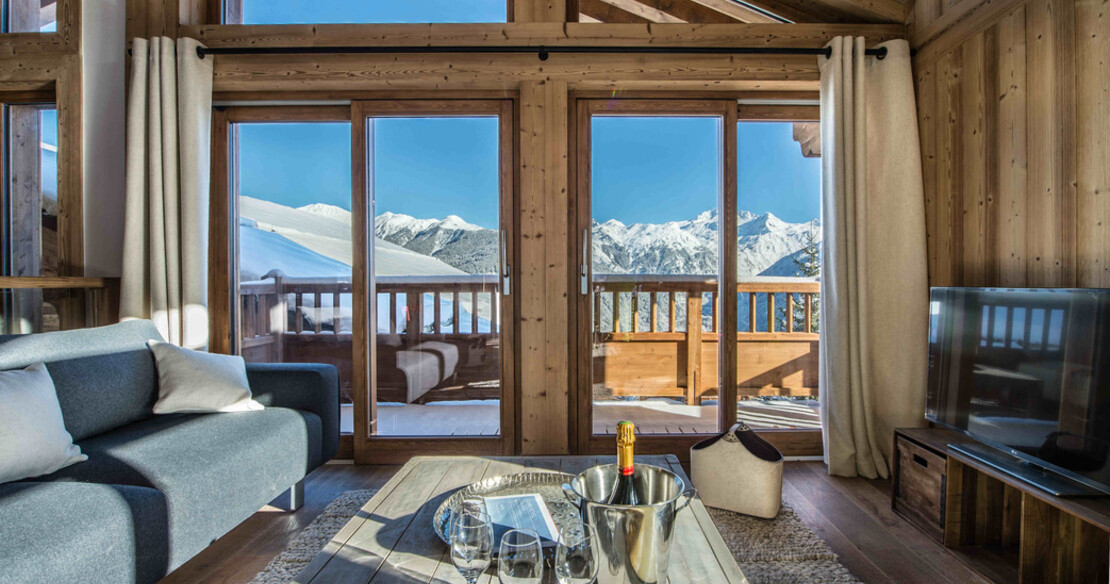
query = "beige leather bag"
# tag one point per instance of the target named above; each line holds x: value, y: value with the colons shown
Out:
x: 738, y: 471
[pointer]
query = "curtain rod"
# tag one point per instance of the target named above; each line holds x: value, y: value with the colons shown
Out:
x: 542, y: 52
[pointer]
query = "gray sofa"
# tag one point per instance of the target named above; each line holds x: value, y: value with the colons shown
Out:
x: 156, y: 490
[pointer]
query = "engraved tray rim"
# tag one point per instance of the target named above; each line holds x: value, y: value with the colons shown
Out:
x: 517, y: 482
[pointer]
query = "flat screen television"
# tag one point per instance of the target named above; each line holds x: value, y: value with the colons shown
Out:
x: 1025, y: 372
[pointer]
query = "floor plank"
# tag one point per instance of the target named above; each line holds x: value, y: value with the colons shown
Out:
x: 852, y: 515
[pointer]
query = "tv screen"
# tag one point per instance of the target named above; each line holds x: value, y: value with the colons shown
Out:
x: 1026, y: 371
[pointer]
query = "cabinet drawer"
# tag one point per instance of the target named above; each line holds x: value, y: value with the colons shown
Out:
x: 920, y: 476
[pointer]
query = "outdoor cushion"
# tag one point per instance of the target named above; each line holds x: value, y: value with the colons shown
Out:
x: 75, y: 532
x: 104, y: 376
x: 214, y: 470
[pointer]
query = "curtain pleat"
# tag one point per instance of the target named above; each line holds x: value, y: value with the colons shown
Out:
x: 165, y: 256
x: 874, y: 285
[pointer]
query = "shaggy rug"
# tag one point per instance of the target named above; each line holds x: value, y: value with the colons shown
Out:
x: 770, y: 551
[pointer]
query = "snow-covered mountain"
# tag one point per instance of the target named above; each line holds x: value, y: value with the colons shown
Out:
x: 690, y: 247
x: 315, y: 241
x: 468, y: 247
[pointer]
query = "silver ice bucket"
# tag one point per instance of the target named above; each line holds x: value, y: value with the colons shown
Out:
x: 634, y: 540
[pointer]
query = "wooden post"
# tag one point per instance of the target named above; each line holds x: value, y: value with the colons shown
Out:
x: 770, y: 312
x: 616, y: 311
x: 653, y: 325
x: 280, y: 317
x: 789, y: 312
x: 25, y: 157
x: 751, y: 311
x: 414, y: 327
x: 693, y: 348
x: 436, y: 314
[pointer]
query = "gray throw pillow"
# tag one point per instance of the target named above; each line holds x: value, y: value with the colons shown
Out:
x: 196, y: 382
x: 33, y: 436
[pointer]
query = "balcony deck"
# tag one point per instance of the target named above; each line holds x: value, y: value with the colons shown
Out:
x: 481, y: 417
x: 651, y: 363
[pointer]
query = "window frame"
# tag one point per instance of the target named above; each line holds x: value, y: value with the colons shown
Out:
x: 584, y: 109
x: 792, y: 442
x: 361, y: 445
x: 370, y: 448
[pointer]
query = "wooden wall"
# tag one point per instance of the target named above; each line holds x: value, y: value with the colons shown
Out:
x: 1014, y: 112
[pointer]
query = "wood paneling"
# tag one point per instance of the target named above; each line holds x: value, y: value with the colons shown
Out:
x: 537, y: 34
x: 1013, y: 107
x: 544, y: 282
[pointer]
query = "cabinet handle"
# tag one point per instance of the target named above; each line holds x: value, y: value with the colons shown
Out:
x: 921, y: 461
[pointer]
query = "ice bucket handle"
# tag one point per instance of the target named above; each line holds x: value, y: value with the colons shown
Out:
x: 689, y: 493
x: 571, y: 496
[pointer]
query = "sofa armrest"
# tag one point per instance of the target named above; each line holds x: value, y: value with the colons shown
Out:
x: 308, y: 387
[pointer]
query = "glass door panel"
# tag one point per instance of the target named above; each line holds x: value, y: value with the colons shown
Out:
x: 291, y: 185
x: 437, y: 263
x: 655, y: 185
x: 778, y: 268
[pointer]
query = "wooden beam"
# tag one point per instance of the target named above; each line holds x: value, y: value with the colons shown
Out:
x: 538, y: 34
x: 692, y: 11
x: 544, y: 281
x: 480, y: 72
x: 540, y: 10
x: 889, y: 11
x: 797, y: 11
x: 608, y: 13
x: 735, y: 10
x: 644, y: 9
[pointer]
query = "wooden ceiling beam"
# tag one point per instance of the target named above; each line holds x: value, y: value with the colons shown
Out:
x: 800, y: 11
x: 736, y: 11
x: 698, y: 13
x: 603, y: 12
x: 886, y: 11
x: 645, y: 9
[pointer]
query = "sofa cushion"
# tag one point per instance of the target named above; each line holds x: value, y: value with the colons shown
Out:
x: 104, y: 376
x: 73, y: 532
x: 33, y: 437
x: 215, y: 470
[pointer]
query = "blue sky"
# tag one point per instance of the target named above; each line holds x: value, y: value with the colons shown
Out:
x: 345, y: 11
x: 645, y: 170
x: 433, y: 167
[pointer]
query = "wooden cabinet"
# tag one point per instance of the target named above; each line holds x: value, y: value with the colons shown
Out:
x: 920, y: 477
x: 1004, y: 529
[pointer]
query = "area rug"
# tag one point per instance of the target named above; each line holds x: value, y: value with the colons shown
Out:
x: 782, y: 550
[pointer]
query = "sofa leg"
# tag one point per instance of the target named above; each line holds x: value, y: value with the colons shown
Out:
x: 293, y: 498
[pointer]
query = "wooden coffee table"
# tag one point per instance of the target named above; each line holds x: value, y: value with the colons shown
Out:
x: 391, y: 538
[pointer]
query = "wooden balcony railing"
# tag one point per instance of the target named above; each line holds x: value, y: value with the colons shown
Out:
x: 48, y: 303
x: 657, y: 352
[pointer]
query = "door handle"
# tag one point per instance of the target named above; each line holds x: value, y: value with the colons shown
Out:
x: 506, y: 269
x: 584, y: 272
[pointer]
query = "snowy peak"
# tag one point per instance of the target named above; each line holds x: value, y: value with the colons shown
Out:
x: 328, y: 211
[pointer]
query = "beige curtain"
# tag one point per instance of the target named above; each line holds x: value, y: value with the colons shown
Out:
x: 874, y: 285
x: 165, y: 251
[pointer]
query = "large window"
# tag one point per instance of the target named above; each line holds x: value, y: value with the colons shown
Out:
x: 375, y: 237
x: 362, y: 11
x: 655, y: 192
x: 700, y: 242
x: 28, y: 15
x: 437, y: 274
x: 29, y: 230
x: 290, y: 185
x: 778, y: 269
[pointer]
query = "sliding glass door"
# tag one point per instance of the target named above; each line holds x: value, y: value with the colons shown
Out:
x: 438, y: 257
x: 650, y: 315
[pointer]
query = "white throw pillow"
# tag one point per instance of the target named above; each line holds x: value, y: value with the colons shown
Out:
x: 33, y: 436
x: 195, y: 382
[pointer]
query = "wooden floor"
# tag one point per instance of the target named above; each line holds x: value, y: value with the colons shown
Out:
x: 853, y: 515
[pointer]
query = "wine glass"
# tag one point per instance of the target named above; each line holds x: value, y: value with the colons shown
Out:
x: 520, y: 559
x: 471, y: 544
x: 472, y: 504
x: 576, y: 557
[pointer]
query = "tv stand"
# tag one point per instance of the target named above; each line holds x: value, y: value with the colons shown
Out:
x: 1037, y: 476
x: 1001, y: 526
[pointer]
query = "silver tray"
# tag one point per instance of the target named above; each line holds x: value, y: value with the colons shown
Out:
x: 548, y: 485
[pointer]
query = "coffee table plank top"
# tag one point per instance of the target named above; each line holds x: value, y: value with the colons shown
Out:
x: 390, y: 540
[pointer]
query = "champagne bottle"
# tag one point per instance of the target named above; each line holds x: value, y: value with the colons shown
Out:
x: 624, y: 491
